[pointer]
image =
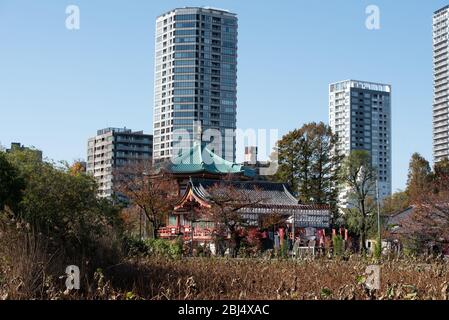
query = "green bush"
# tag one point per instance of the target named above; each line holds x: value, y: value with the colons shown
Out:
x: 158, y: 247
x: 154, y: 247
x: 175, y: 248
x: 134, y: 246
x: 284, y: 250
x: 338, y: 243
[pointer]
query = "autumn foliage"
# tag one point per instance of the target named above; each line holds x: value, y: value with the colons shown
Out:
x: 146, y: 190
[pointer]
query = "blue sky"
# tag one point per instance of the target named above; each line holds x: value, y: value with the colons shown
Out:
x: 57, y: 87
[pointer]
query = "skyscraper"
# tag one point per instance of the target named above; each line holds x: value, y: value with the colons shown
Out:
x: 112, y: 148
x: 360, y: 114
x: 440, y: 84
x: 195, y: 80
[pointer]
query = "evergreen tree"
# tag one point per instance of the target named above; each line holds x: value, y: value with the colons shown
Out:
x: 309, y: 163
x: 419, y: 177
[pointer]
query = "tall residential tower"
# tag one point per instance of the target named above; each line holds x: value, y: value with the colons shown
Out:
x: 440, y: 84
x: 195, y: 80
x: 360, y: 114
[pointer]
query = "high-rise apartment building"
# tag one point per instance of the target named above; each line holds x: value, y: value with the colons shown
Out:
x: 440, y: 84
x: 112, y: 148
x: 195, y: 80
x: 360, y: 114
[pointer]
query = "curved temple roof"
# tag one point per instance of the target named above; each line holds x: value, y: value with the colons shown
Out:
x: 268, y: 193
x: 274, y: 198
x: 198, y: 159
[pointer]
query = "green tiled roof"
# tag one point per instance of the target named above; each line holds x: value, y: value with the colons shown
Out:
x: 199, y: 159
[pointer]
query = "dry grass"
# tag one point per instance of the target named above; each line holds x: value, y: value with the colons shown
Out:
x: 32, y: 266
x: 224, y: 279
x: 24, y: 264
x: 256, y: 279
x: 28, y: 271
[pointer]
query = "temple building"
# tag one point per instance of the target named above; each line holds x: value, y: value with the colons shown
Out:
x: 200, y: 162
x: 200, y: 172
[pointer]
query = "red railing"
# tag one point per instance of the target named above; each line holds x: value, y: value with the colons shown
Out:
x: 171, y: 232
x: 167, y: 232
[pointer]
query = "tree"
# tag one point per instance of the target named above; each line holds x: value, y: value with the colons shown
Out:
x: 419, y: 176
x: 227, y: 203
x: 396, y: 202
x: 431, y: 217
x: 440, y: 174
x: 57, y: 221
x: 154, y: 193
x: 11, y: 184
x: 309, y: 163
x: 441, y: 168
x: 272, y: 220
x: 359, y: 176
x: 78, y: 167
x: 288, y: 150
x: 428, y: 225
x: 63, y: 207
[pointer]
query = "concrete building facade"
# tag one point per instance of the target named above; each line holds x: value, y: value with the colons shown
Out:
x: 360, y: 114
x: 440, y: 84
x: 112, y: 148
x: 195, y: 81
